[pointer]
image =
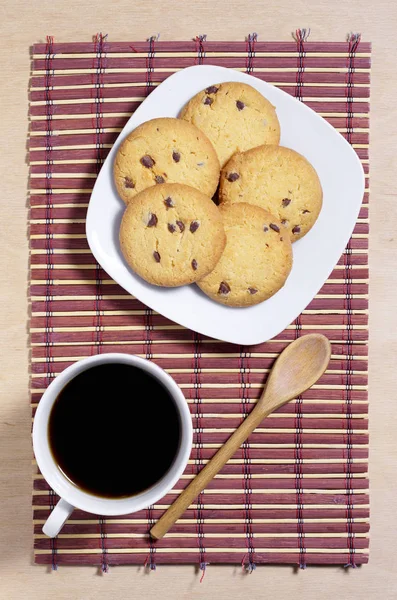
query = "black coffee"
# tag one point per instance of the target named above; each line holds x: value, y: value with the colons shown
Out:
x: 114, y: 430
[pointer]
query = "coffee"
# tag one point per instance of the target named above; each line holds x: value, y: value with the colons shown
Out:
x: 114, y: 430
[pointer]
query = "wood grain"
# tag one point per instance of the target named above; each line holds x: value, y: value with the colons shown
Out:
x: 23, y: 23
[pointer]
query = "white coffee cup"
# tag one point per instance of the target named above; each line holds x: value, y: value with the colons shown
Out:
x: 72, y: 496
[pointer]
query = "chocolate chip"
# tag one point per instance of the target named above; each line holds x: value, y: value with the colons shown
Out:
x: 181, y: 226
x: 252, y: 290
x: 284, y: 222
x: 274, y: 227
x: 296, y: 229
x: 212, y: 89
x: 128, y: 183
x: 286, y: 201
x: 147, y: 161
x: 194, y: 264
x: 224, y: 288
x: 171, y: 227
x: 265, y: 228
x: 169, y: 202
x: 305, y: 211
x: 208, y: 101
x: 159, y: 179
x: 176, y: 157
x: 194, y: 225
x: 240, y: 105
x: 156, y: 256
x: 152, y: 220
x: 233, y: 177
x: 281, y: 239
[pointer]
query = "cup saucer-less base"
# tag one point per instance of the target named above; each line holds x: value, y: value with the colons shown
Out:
x: 315, y: 255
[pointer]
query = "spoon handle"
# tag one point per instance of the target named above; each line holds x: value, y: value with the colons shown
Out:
x: 174, y: 512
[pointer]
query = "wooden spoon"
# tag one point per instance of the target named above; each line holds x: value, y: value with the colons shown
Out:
x: 297, y: 368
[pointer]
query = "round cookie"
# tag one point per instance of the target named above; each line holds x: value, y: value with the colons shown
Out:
x: 172, y: 235
x: 165, y: 151
x: 256, y: 261
x: 234, y: 116
x: 279, y: 180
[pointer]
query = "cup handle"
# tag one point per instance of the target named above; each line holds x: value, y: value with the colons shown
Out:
x: 57, y: 518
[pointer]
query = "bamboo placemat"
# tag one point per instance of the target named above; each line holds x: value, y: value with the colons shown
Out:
x: 297, y: 491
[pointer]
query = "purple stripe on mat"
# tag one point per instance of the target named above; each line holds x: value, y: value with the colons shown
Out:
x: 354, y: 42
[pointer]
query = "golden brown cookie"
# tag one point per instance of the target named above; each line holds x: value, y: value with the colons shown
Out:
x: 256, y: 261
x: 234, y: 116
x: 279, y: 180
x: 172, y: 235
x: 165, y: 151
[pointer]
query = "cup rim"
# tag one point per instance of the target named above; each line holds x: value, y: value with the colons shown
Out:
x: 84, y: 500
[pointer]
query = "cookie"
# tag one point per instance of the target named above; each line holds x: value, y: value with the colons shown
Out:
x: 234, y: 116
x: 165, y: 151
x: 172, y: 235
x: 279, y: 180
x: 256, y: 261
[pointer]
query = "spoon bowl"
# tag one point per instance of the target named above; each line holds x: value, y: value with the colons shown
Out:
x: 297, y: 368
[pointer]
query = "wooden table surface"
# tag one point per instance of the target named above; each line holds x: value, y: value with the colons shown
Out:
x: 23, y: 22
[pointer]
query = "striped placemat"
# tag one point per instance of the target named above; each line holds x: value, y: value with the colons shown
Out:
x: 297, y: 491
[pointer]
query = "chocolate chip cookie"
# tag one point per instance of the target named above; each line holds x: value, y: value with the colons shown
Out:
x: 234, y: 116
x: 172, y: 235
x: 279, y: 180
x: 256, y: 261
x: 165, y: 151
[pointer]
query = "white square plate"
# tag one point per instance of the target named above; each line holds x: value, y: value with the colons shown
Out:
x: 315, y: 255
